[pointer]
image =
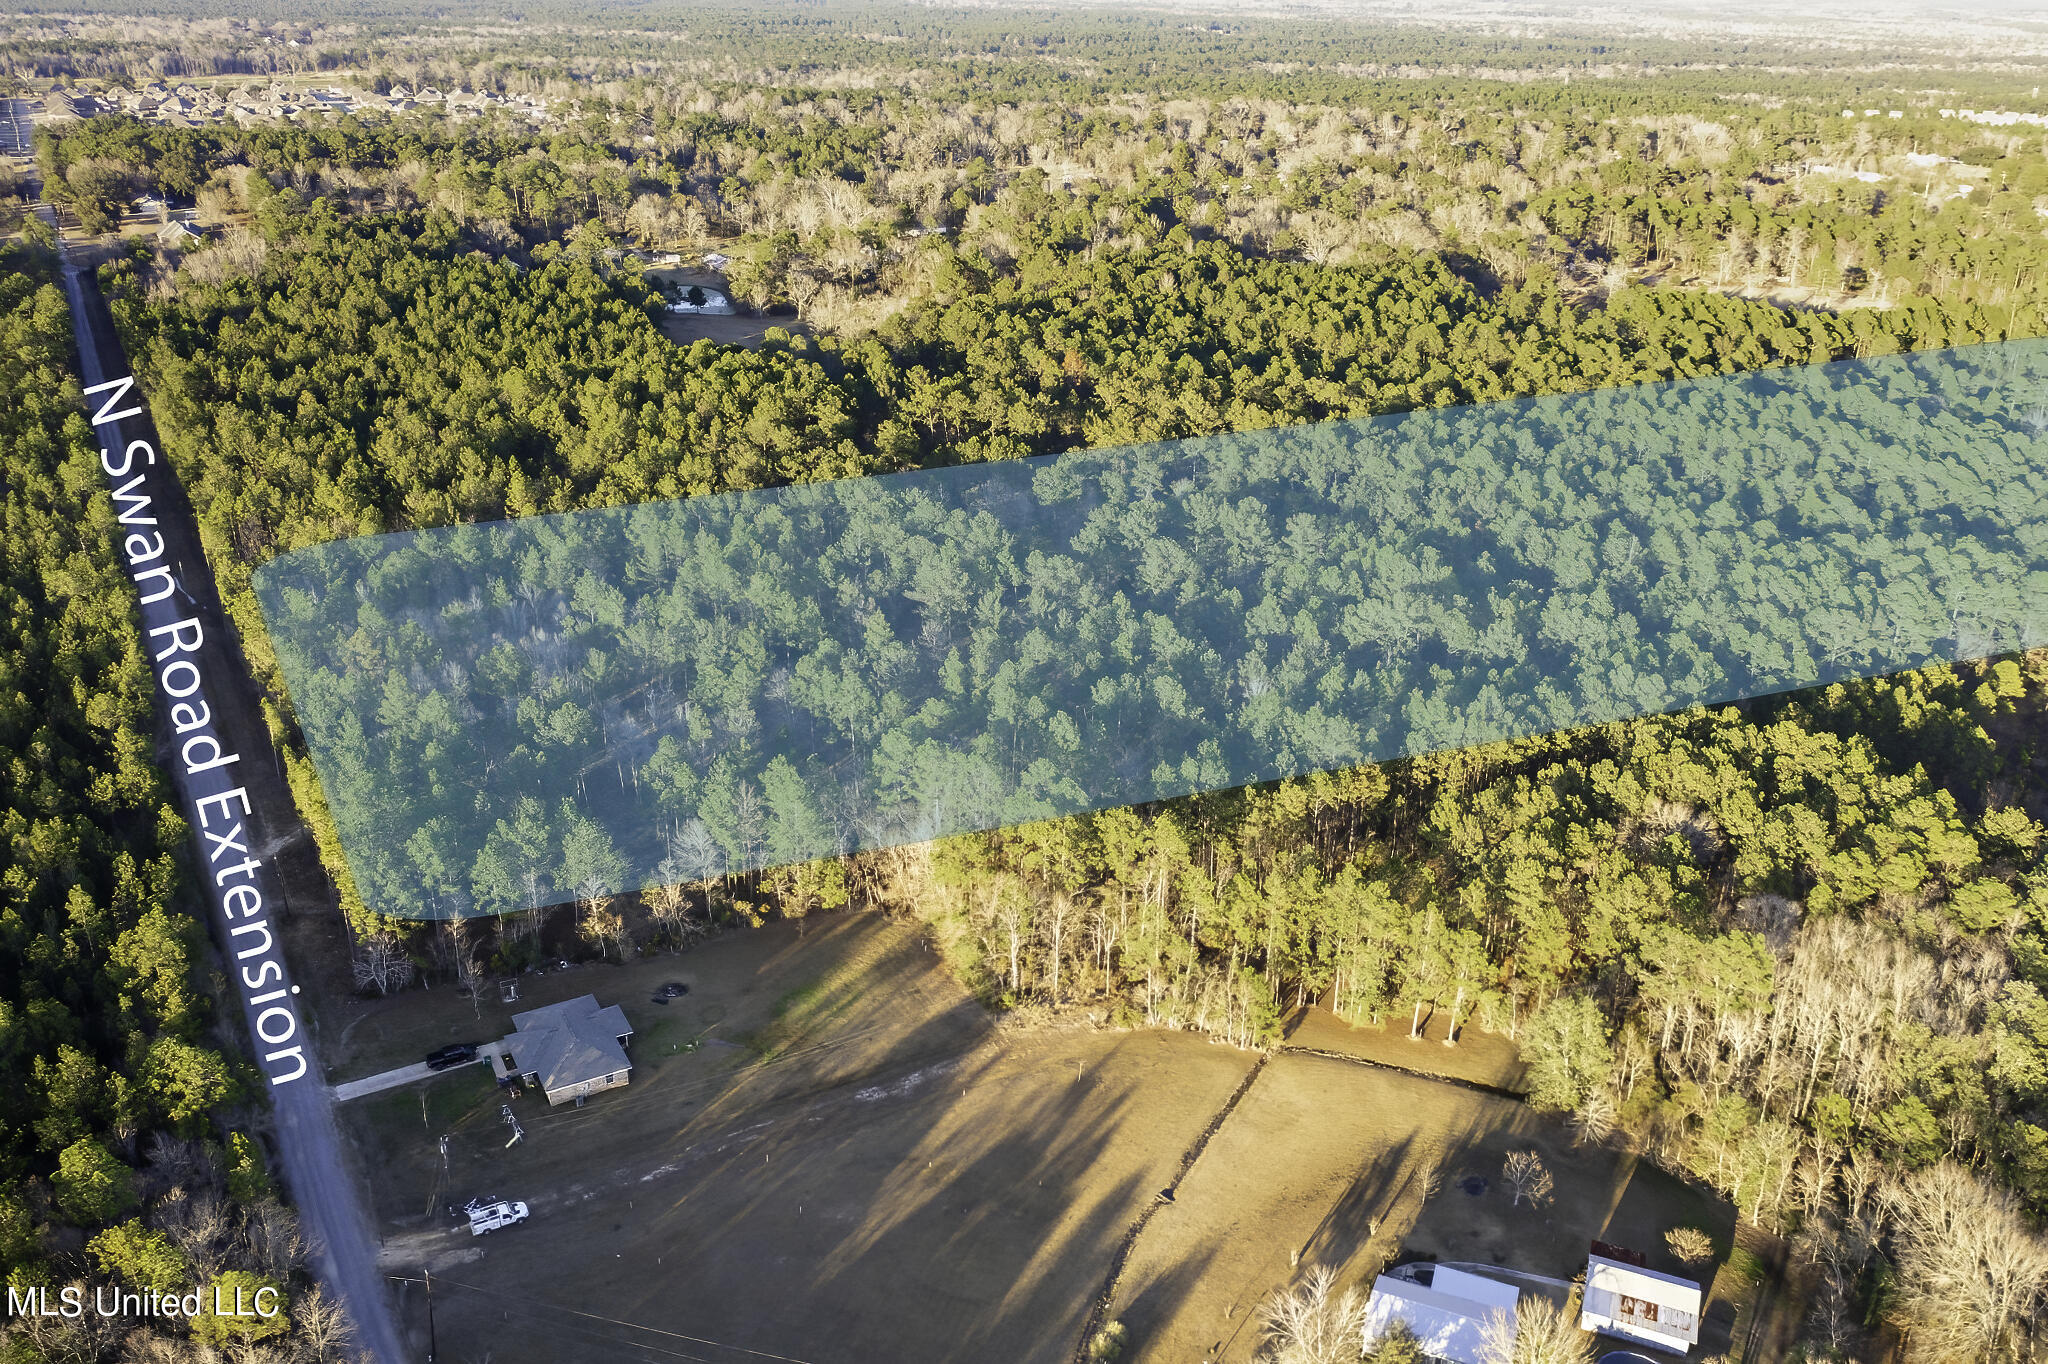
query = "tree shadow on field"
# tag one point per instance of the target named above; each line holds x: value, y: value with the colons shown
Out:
x: 1373, y: 1193
x: 1357, y: 1168
x: 1652, y: 1203
x: 1142, y: 1311
x: 950, y: 1210
x: 1474, y: 1215
x: 1319, y: 1167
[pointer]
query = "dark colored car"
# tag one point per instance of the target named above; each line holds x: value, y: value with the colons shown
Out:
x: 455, y: 1054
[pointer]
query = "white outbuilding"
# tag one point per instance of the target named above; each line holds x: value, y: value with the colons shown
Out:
x: 1641, y: 1305
x: 1448, y: 1318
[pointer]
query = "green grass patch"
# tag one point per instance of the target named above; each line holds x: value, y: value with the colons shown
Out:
x: 672, y: 1035
x: 1743, y: 1269
x: 807, y: 1010
x: 450, y: 1099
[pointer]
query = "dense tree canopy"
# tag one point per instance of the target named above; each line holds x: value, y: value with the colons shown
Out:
x: 115, y: 1092
x: 877, y: 661
x: 1795, y: 950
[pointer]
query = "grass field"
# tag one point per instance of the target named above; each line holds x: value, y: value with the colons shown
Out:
x: 684, y: 328
x: 829, y: 1152
x: 863, y: 1168
x: 1329, y: 1160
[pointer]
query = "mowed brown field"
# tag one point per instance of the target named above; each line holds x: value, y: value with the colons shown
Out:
x: 830, y: 1153
x: 1328, y: 1158
x: 870, y: 1171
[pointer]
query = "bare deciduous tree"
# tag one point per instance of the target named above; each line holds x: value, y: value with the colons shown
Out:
x: 1314, y: 1324
x: 381, y: 961
x: 1972, y: 1274
x: 669, y: 907
x: 323, y: 1324
x: 603, y: 927
x: 1540, y: 1332
x: 1840, y: 1243
x: 468, y: 962
x: 1692, y: 1246
x: 1524, y: 1174
x: 1594, y: 1120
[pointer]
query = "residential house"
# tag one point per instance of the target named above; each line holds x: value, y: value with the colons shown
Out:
x: 571, y: 1050
x: 59, y: 104
x: 695, y: 298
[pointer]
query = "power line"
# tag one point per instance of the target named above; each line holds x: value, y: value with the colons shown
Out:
x: 584, y: 1333
x: 528, y: 1304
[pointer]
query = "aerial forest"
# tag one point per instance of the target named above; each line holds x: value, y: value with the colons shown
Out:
x: 1794, y: 948
x: 131, y: 1137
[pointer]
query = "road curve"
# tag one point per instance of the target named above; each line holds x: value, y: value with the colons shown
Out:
x: 309, y: 1145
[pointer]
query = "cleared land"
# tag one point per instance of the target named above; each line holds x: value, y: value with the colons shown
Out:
x: 868, y: 1171
x: 829, y: 1153
x: 683, y: 328
x: 1359, y: 1145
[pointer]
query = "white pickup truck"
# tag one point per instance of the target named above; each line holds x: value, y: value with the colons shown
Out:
x: 488, y: 1217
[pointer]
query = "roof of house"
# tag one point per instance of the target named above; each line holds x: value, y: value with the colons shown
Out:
x: 1608, y: 1281
x: 570, y: 1043
x: 1449, y: 1318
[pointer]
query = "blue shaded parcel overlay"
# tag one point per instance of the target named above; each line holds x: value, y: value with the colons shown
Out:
x: 513, y: 714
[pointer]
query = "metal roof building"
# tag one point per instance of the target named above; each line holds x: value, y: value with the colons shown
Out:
x: 1641, y: 1305
x: 1448, y: 1318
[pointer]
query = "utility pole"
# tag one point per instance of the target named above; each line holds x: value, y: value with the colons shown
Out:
x: 433, y: 1345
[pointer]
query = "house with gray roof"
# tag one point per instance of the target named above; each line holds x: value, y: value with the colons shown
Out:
x: 571, y: 1050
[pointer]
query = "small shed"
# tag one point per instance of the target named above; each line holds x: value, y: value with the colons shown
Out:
x: 571, y: 1050
x: 1640, y: 1305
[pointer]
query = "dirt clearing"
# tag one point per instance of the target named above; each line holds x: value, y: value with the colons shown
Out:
x: 1359, y: 1168
x: 862, y: 1168
x: 829, y: 1153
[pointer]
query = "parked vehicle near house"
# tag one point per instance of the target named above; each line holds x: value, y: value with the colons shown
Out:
x: 455, y: 1054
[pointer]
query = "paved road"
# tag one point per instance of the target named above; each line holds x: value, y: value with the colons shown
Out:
x: 16, y: 133
x: 308, y: 1142
x: 392, y: 1079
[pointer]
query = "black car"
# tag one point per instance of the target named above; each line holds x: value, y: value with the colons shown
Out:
x: 455, y: 1054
